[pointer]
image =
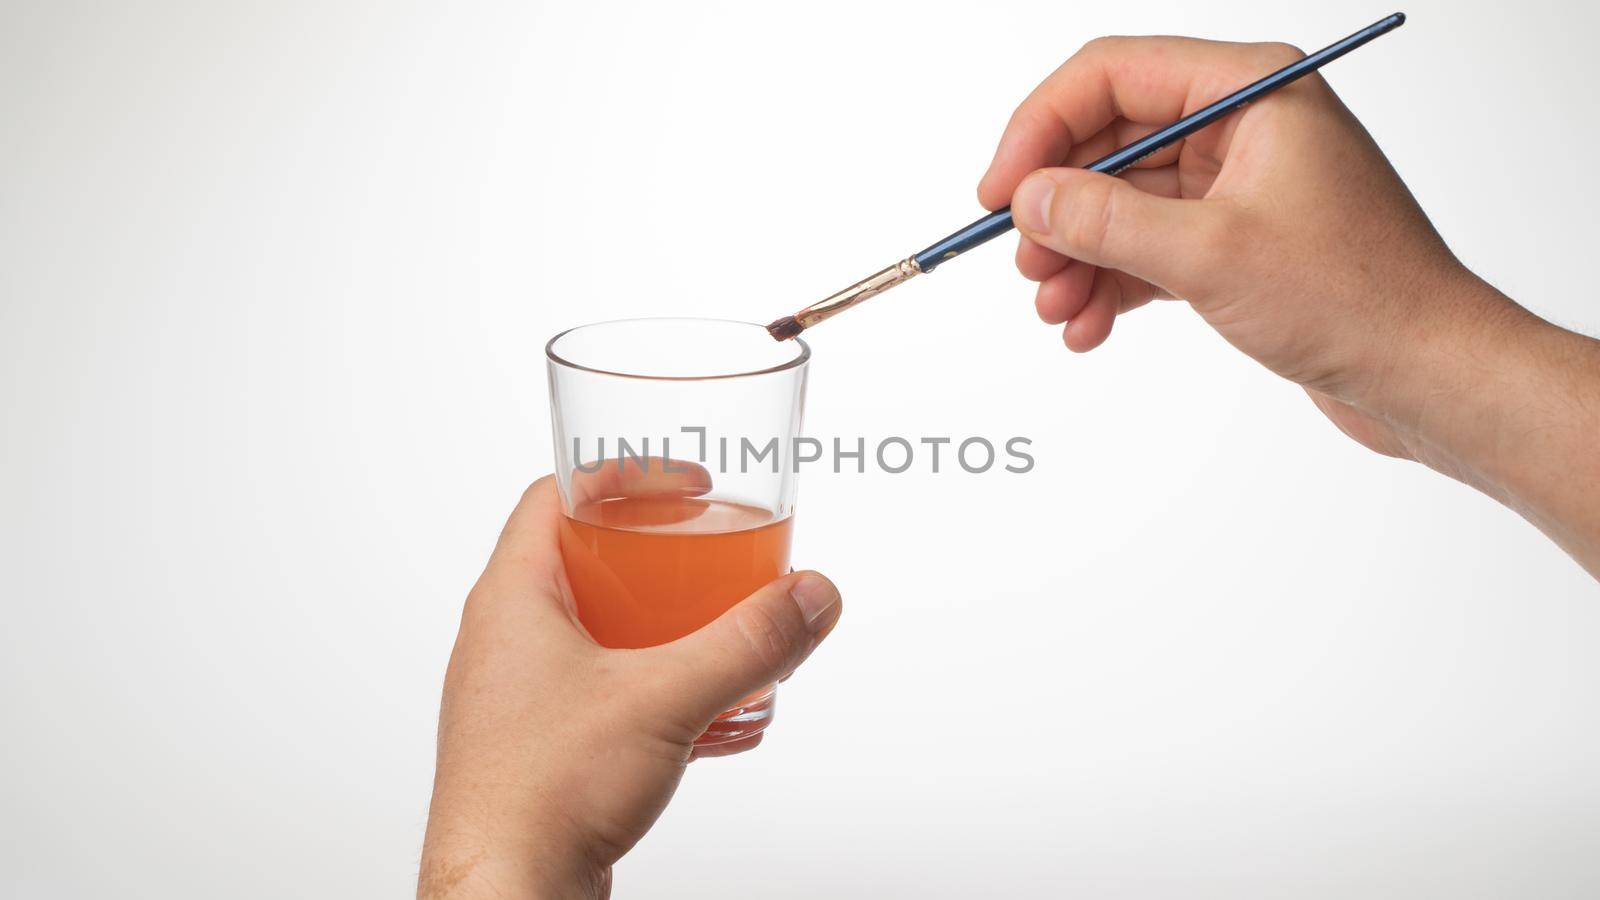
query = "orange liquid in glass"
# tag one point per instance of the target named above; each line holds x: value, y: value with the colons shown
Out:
x: 648, y: 570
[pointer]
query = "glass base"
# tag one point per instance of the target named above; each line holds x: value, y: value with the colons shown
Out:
x: 749, y: 718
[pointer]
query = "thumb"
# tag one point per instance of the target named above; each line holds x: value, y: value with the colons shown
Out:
x: 1105, y: 221
x: 752, y: 645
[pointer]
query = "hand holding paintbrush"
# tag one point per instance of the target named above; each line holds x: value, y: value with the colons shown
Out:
x: 999, y: 222
x: 1288, y: 231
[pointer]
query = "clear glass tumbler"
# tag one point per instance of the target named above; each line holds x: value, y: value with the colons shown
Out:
x: 675, y: 444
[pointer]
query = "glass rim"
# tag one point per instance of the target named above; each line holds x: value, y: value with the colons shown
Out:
x: 550, y: 353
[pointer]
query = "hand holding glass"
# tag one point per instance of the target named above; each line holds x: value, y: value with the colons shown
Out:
x: 674, y: 457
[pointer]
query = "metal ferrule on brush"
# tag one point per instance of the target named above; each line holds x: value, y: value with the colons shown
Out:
x: 871, y: 286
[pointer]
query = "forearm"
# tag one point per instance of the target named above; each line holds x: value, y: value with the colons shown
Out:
x: 1510, y: 404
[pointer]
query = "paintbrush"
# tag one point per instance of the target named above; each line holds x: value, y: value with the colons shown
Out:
x: 999, y: 222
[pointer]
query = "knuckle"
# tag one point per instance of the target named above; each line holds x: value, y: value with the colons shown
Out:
x: 537, y: 489
x: 1088, y: 218
x: 771, y: 640
x: 1223, y: 234
x: 1105, y: 44
x: 1215, y: 234
x: 533, y: 490
x: 1280, y: 53
x: 1031, y: 113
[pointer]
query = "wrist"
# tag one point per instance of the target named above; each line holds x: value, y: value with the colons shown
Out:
x: 1508, y: 403
x: 1450, y: 374
x: 462, y: 862
x: 499, y: 878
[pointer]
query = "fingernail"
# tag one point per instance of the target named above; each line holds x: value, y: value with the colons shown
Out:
x: 1030, y: 206
x: 814, y: 595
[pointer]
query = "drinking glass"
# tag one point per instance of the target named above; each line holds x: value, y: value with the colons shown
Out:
x: 675, y: 444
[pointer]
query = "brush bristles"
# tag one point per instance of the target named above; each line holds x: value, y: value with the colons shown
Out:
x: 785, y: 328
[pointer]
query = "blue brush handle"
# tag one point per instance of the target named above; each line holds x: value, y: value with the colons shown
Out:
x: 999, y: 222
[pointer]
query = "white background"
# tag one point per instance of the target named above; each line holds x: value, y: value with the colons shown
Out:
x: 275, y: 282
